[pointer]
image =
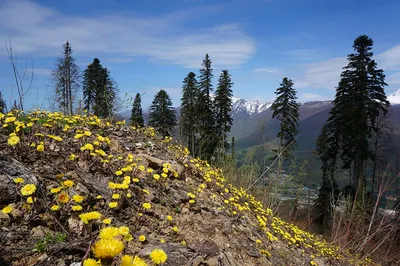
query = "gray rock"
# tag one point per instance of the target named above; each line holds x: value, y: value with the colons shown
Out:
x: 10, y: 169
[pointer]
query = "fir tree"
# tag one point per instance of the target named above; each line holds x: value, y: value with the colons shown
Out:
x: 222, y: 108
x: 92, y: 79
x: 189, y: 114
x: 99, y: 90
x: 162, y: 115
x: 66, y: 78
x: 3, y: 106
x: 286, y: 110
x: 105, y: 97
x: 360, y: 99
x: 137, y: 113
x: 207, y: 139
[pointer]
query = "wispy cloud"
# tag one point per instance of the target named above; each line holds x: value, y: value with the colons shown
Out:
x: 312, y: 97
x: 161, y: 38
x: 324, y: 74
x: 266, y: 71
x: 389, y: 59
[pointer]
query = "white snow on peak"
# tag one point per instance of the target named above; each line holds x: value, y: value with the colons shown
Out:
x: 250, y: 107
x: 394, y: 98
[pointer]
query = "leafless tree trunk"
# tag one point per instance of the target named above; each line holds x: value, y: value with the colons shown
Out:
x: 19, y: 80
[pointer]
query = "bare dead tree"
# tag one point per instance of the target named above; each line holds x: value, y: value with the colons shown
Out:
x: 19, y: 79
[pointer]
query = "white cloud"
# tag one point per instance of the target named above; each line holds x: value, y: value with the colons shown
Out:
x: 40, y: 71
x: 389, y: 59
x: 312, y: 97
x: 324, y: 74
x: 163, y: 38
x: 266, y: 71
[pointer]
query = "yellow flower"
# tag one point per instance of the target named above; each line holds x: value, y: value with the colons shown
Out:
x: 141, y: 168
x: 107, y: 221
x: 164, y: 175
x: 128, y: 195
x: 146, y: 205
x: 128, y: 237
x: 7, y: 209
x: 76, y: 208
x: 258, y: 242
x: 99, y: 197
x: 183, y: 242
x: 115, y: 196
x: 13, y: 140
x: 72, y: 157
x: 149, y: 170
x: 78, y: 136
x: 55, y: 208
x: 175, y: 229
x: 107, y: 248
x: 88, y: 216
x: 132, y: 261
x: 87, y: 146
x: 30, y: 200
x: 91, y: 262
x: 68, y: 183
x: 109, y: 232
x: 119, y: 172
x: 111, y: 185
x: 113, y: 204
x: 28, y: 189
x: 162, y: 240
x: 63, y: 197
x: 123, y: 230
x: 313, y: 263
x: 156, y: 177
x: 169, y: 218
x: 87, y: 133
x: 40, y: 148
x: 19, y: 180
x: 192, y: 201
x: 158, y: 256
x: 55, y: 190
x: 77, y: 198
x: 142, y: 238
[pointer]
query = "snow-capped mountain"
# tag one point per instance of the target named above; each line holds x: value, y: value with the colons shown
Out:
x: 394, y: 98
x: 254, y: 107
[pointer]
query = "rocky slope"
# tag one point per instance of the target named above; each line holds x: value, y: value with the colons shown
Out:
x: 79, y: 189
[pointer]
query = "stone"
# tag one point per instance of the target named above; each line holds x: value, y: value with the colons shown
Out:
x: 9, y: 170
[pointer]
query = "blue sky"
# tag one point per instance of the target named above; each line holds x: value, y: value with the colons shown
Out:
x: 152, y: 45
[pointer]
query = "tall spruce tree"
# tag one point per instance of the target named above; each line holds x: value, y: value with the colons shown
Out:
x: 3, y: 106
x: 360, y: 99
x: 286, y: 110
x: 162, y: 115
x: 206, y: 122
x: 67, y: 80
x: 92, y: 80
x: 189, y: 114
x: 222, y: 108
x: 104, y: 100
x: 99, y: 90
x: 137, y: 112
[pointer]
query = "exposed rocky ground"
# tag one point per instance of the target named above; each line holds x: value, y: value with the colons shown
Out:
x: 148, y: 188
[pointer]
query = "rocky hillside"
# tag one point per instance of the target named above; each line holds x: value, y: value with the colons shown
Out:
x: 82, y: 190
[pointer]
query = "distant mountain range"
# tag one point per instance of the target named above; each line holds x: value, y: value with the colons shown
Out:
x: 253, y: 123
